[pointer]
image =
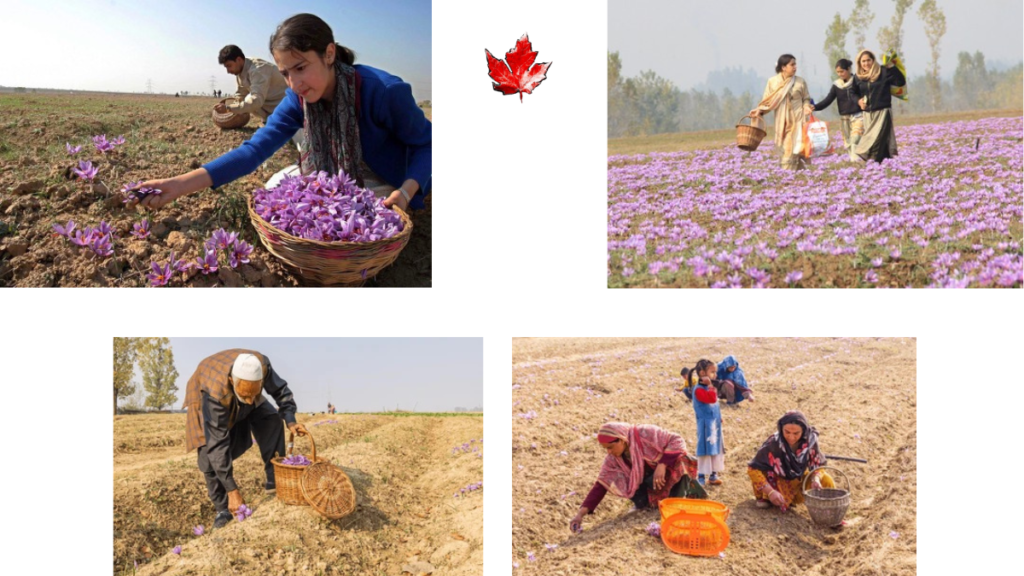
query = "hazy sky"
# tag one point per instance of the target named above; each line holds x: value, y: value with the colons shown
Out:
x: 358, y: 374
x: 683, y: 40
x: 118, y: 45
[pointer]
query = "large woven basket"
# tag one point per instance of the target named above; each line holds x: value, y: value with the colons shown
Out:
x: 748, y: 137
x: 229, y: 120
x: 827, y: 506
x: 328, y: 490
x: 332, y: 263
x: 287, y: 477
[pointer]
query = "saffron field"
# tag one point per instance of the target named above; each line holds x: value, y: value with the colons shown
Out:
x: 564, y: 389
x: 945, y: 213
x: 55, y: 169
x: 419, y: 501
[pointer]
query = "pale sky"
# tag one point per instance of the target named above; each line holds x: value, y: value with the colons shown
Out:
x: 357, y: 374
x: 117, y: 45
x: 683, y: 40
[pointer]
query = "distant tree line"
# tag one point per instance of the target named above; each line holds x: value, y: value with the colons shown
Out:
x: 650, y: 104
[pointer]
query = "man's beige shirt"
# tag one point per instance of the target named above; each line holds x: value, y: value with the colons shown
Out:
x: 260, y: 88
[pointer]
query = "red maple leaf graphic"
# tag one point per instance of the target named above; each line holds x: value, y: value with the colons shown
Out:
x: 517, y: 73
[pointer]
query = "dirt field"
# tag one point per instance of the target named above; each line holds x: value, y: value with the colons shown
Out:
x: 858, y: 393
x: 403, y: 468
x: 164, y: 137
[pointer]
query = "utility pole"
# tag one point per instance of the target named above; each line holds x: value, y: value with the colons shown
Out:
x: 149, y: 86
x: 213, y: 84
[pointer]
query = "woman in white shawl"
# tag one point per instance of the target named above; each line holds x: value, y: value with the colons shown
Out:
x: 787, y: 94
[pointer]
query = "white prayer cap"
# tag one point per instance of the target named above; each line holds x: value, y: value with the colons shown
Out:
x: 247, y: 367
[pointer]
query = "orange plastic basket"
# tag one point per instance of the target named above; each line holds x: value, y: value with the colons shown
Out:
x: 672, y: 506
x: 694, y: 527
x: 695, y: 534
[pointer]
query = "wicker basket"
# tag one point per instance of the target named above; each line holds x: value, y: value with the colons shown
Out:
x: 229, y: 120
x: 695, y: 534
x: 328, y: 490
x: 827, y: 506
x: 332, y: 263
x: 749, y: 137
x: 287, y: 477
x: 672, y: 506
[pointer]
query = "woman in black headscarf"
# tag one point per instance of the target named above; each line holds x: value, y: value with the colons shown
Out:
x: 784, y: 460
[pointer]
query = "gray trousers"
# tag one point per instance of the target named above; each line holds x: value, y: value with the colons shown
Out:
x: 265, y: 424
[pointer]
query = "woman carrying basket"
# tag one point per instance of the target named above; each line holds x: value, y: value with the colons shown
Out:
x: 357, y: 119
x: 786, y: 94
x: 784, y: 460
x: 872, y: 89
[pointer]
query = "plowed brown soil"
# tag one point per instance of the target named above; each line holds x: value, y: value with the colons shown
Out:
x: 859, y: 393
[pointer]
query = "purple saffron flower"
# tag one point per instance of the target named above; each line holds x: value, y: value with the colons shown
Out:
x: 177, y: 550
x: 207, y: 264
x: 871, y: 277
x: 876, y: 262
x: 551, y: 547
x: 895, y: 254
x: 794, y: 276
x: 65, y: 230
x: 72, y: 150
x: 221, y: 240
x: 531, y: 557
x: 118, y: 141
x: 101, y: 143
x: 160, y: 275
x: 102, y: 245
x: 654, y: 529
x: 85, y: 170
x: 198, y: 530
x: 141, y: 230
x: 240, y: 253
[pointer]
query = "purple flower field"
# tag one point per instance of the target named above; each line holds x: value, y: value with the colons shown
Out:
x: 945, y: 213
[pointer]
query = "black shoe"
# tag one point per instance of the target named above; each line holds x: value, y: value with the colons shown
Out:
x: 222, y: 519
x: 271, y: 488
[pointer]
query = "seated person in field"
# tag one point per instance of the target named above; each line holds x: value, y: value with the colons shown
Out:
x: 645, y: 464
x: 778, y: 469
x: 688, y: 383
x: 261, y: 87
x: 731, y: 382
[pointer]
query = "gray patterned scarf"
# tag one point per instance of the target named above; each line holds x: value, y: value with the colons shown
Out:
x: 332, y: 129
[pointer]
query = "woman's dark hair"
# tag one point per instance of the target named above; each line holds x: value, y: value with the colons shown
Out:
x: 305, y: 32
x: 229, y: 52
x: 784, y: 61
x: 844, y: 64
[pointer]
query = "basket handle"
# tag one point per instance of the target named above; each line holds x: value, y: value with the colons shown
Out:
x: 808, y: 477
x: 760, y: 121
x: 291, y: 443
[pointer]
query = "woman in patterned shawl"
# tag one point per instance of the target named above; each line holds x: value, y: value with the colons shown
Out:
x: 645, y: 464
x: 787, y: 94
x: 784, y: 460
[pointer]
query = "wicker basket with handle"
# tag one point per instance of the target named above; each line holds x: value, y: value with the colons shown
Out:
x: 229, y: 119
x: 332, y: 263
x: 328, y: 490
x: 748, y: 137
x: 287, y: 477
x: 827, y: 506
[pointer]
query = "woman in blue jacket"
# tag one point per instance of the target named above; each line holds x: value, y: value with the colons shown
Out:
x: 356, y: 118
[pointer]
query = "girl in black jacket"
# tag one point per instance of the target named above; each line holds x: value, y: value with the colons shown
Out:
x: 871, y: 88
x: 850, y: 115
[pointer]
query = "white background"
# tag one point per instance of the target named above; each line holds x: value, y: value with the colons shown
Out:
x: 519, y: 250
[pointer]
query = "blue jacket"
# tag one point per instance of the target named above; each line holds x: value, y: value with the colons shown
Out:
x: 394, y: 133
x: 709, y: 425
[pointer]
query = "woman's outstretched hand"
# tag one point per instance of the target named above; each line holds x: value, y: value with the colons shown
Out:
x: 170, y: 190
x: 576, y: 525
x: 396, y: 199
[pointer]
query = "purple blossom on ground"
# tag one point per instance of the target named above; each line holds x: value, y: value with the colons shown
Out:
x: 207, y: 264
x: 66, y: 230
x: 242, y: 513
x: 240, y: 252
x: 671, y: 216
x: 160, y: 274
x: 177, y: 550
x: 551, y: 547
x: 531, y: 557
x: 654, y: 529
x: 221, y: 240
x: 794, y: 276
x: 118, y: 141
x: 101, y: 143
x: 141, y: 229
x: 198, y: 530
x: 85, y: 170
x: 72, y: 150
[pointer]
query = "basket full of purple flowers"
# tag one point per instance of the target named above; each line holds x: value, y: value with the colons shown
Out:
x: 289, y: 470
x: 327, y: 229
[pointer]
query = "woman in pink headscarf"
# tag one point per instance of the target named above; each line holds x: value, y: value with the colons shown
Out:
x: 644, y: 463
